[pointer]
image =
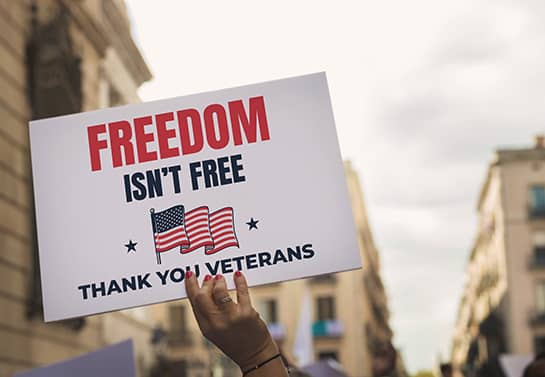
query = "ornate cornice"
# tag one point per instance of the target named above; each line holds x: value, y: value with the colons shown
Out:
x: 90, y: 27
x: 113, y: 32
x: 123, y: 43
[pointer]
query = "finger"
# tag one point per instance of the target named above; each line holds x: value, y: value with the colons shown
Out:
x: 207, y: 285
x: 221, y: 296
x: 192, y: 290
x: 191, y: 286
x: 205, y: 299
x: 202, y: 299
x: 243, y: 295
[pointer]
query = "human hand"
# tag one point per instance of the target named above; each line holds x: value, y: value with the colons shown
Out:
x: 235, y: 328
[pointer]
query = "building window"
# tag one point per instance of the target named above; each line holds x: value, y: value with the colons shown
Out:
x: 268, y: 310
x: 539, y: 248
x: 177, y: 318
x: 540, y: 297
x: 539, y: 255
x: 539, y: 344
x: 328, y: 355
x: 325, y: 278
x: 179, y: 334
x: 114, y: 97
x: 537, y: 201
x: 325, y: 308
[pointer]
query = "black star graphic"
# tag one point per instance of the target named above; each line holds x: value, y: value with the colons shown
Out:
x: 252, y: 224
x: 131, y: 246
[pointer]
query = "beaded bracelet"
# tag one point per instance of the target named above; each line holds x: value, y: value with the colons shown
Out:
x: 245, y: 372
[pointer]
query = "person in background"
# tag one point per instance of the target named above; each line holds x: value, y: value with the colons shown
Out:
x: 536, y: 368
x: 234, y: 327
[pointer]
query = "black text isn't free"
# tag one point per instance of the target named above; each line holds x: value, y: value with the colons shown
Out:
x: 203, y: 174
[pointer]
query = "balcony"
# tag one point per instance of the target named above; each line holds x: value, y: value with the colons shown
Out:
x: 488, y: 281
x: 376, y: 337
x: 375, y: 290
x: 325, y: 279
x: 380, y: 312
x: 277, y: 330
x: 537, y: 318
x: 537, y: 259
x: 327, y: 329
x: 536, y: 212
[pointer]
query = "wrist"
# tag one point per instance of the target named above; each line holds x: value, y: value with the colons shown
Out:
x: 268, y: 350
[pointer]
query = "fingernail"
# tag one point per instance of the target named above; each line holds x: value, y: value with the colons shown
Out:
x: 218, y: 277
x: 238, y: 274
x: 207, y: 277
x: 188, y: 274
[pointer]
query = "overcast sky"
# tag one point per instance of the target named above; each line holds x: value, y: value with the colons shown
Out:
x: 423, y: 91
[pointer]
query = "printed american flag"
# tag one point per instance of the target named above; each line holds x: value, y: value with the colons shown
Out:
x: 222, y: 229
x: 169, y: 229
x: 194, y: 229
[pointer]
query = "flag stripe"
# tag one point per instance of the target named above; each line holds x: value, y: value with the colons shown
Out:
x: 178, y: 233
x: 221, y: 226
x: 172, y: 243
x: 169, y: 246
x: 205, y: 238
x: 204, y: 242
x: 195, y: 235
x: 221, y: 232
x: 195, y: 231
x: 221, y: 247
x: 220, y: 213
x: 171, y: 231
x: 197, y: 210
x: 226, y: 216
x: 223, y: 238
x: 201, y: 224
x: 162, y: 243
x: 220, y: 223
x: 196, y: 219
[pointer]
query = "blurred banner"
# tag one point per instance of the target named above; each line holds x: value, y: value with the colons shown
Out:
x: 513, y: 365
x: 115, y: 360
x: 303, y: 347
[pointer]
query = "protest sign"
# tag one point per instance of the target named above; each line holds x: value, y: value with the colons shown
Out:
x: 130, y: 198
x: 114, y: 360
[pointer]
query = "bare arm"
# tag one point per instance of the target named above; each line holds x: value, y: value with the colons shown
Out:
x: 234, y: 327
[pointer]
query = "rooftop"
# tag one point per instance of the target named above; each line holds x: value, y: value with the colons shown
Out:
x: 536, y: 152
x: 502, y: 156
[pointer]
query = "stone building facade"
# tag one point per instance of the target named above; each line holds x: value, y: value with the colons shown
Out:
x: 56, y: 57
x: 502, y: 309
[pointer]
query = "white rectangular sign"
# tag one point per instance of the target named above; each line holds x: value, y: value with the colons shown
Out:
x: 129, y: 198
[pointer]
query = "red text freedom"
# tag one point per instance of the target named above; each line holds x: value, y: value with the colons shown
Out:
x: 217, y: 126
